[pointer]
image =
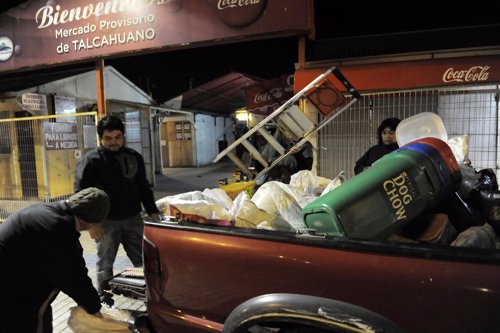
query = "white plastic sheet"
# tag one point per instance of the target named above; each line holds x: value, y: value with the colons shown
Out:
x: 211, y: 204
x: 274, y: 205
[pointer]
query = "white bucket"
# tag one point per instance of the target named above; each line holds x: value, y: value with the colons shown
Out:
x: 422, y: 125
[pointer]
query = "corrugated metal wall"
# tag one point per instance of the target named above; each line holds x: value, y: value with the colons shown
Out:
x: 465, y: 110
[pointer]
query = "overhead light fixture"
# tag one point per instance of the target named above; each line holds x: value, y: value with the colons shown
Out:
x: 241, y: 115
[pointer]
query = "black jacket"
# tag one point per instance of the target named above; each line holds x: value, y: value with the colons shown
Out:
x: 40, y: 254
x: 122, y: 176
x: 373, y: 154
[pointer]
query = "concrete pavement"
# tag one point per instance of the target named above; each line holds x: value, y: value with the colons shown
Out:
x: 172, y: 181
x: 181, y: 180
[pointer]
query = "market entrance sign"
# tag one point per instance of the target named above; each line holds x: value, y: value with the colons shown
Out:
x: 41, y: 32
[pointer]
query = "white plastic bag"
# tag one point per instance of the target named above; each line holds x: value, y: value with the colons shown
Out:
x: 459, y: 146
x: 248, y: 215
x: 283, y: 201
x: 216, y: 196
x: 219, y: 197
x: 336, y: 182
x: 306, y: 181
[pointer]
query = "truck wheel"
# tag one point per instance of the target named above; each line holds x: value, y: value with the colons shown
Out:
x: 280, y: 328
x: 302, y: 329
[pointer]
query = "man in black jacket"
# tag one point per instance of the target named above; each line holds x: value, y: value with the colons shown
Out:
x: 40, y: 255
x: 121, y: 173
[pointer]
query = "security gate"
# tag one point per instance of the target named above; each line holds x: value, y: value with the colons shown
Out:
x: 469, y: 110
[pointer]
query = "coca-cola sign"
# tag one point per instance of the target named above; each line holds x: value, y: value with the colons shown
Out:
x: 472, y: 74
x: 265, y: 97
x: 240, y: 13
x: 268, y: 96
x: 453, y: 71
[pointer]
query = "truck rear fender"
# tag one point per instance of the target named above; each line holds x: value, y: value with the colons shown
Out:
x: 152, y: 269
x: 294, y: 310
x: 152, y: 265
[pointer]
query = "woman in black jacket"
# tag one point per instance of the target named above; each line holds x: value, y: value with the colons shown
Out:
x: 386, y: 134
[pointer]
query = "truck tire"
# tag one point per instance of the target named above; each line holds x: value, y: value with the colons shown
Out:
x: 294, y: 313
x: 303, y: 329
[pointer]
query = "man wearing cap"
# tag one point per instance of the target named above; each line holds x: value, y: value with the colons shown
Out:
x: 121, y: 173
x: 40, y: 255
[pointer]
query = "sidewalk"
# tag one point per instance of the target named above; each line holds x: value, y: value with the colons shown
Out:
x: 181, y: 180
x: 172, y: 181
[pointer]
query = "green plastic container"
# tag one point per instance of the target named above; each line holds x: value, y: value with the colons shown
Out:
x: 395, y: 190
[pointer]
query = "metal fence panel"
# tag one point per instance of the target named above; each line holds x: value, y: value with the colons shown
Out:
x: 38, y: 157
x: 465, y: 110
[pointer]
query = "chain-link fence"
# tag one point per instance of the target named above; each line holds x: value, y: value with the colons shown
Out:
x: 38, y: 157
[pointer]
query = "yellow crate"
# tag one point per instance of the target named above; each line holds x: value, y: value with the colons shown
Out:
x: 233, y: 189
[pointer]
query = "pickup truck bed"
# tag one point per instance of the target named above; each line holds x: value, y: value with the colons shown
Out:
x: 198, y: 274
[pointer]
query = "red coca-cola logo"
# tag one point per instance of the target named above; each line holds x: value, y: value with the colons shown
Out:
x: 472, y: 74
x: 240, y: 13
x: 266, y: 96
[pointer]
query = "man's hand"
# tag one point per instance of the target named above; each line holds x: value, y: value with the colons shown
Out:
x: 155, y: 217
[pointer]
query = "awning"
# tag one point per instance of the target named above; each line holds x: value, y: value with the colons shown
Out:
x: 220, y: 96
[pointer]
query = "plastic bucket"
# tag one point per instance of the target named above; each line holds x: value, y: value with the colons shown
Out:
x: 422, y: 125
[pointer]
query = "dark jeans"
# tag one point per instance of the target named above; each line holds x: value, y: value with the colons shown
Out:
x: 47, y: 320
x: 129, y: 233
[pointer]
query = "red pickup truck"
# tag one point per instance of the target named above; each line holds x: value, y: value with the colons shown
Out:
x: 203, y: 278
x: 337, y: 274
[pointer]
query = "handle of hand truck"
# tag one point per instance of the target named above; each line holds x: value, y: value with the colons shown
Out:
x: 338, y: 74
